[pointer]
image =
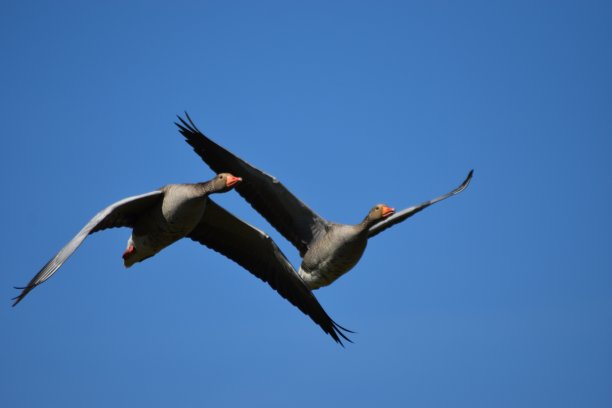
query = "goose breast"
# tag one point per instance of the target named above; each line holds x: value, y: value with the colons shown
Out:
x: 334, y: 254
x: 178, y: 214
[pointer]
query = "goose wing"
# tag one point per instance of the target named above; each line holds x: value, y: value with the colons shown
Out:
x: 255, y: 251
x: 266, y: 194
x: 410, y: 211
x: 123, y: 213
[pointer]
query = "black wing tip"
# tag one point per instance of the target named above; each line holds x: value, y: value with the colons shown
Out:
x: 344, y: 329
x: 338, y: 333
x: 468, y: 178
x: 18, y: 298
x: 193, y: 136
x: 186, y: 127
x: 24, y: 291
x: 465, y: 183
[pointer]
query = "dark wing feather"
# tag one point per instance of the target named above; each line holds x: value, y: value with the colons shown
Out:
x: 123, y: 213
x: 409, y: 212
x: 290, y: 216
x: 256, y: 252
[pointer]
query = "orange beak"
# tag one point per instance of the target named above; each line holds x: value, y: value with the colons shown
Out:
x: 231, y: 180
x: 387, y: 211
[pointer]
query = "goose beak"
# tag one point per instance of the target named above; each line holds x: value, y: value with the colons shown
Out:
x: 232, y: 180
x: 387, y: 211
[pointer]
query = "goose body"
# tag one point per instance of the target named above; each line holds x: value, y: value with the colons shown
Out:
x: 328, y: 249
x: 173, y: 217
x: 332, y: 255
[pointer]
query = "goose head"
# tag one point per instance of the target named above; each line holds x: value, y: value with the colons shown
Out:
x: 224, y: 182
x: 378, y: 213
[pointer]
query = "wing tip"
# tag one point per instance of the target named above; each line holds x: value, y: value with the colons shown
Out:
x: 465, y: 183
x: 339, y: 333
x: 187, y: 128
x: 25, y: 290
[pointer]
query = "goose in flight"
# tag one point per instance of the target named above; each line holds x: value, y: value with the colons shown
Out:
x: 328, y: 249
x: 162, y: 217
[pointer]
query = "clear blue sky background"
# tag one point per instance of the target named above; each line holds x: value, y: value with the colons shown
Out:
x: 499, y: 297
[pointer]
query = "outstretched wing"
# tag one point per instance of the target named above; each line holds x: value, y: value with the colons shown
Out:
x: 409, y: 212
x: 289, y: 215
x: 123, y: 213
x: 256, y: 252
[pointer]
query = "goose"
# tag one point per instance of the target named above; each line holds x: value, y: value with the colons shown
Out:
x: 328, y: 249
x: 163, y: 216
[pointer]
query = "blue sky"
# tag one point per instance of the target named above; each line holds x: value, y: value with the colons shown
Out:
x: 501, y: 296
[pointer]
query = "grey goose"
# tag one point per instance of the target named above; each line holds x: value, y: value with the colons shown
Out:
x: 162, y: 217
x: 328, y: 249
